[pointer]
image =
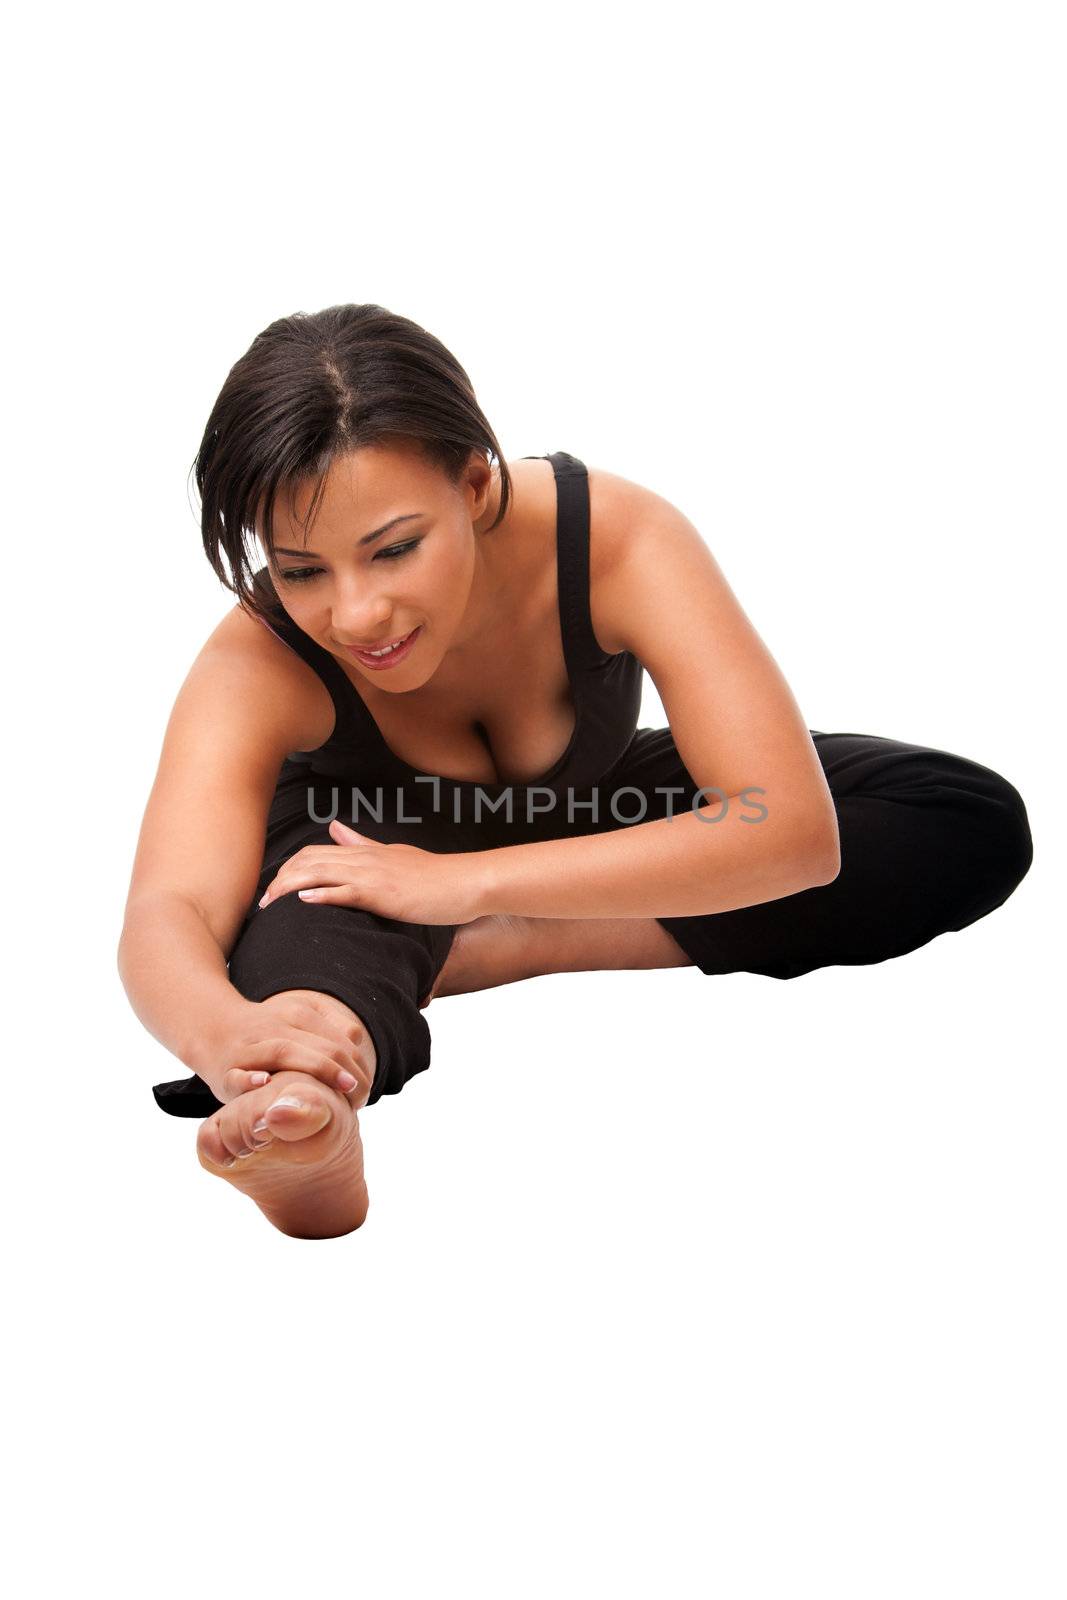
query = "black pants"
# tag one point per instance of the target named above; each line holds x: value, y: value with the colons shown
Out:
x: 930, y: 842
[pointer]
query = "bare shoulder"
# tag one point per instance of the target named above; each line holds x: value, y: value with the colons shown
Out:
x: 279, y: 684
x: 625, y: 517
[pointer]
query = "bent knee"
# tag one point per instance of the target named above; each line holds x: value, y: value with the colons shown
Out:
x: 977, y: 798
x: 1012, y: 849
x: 996, y: 848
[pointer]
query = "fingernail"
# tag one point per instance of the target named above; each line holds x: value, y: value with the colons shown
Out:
x: 265, y: 898
x: 260, y: 1077
x: 346, y: 1080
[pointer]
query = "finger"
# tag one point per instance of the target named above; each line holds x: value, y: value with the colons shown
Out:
x: 339, y: 1066
x: 285, y: 885
x: 329, y: 1062
x: 310, y: 1016
x: 313, y: 875
x: 353, y: 1041
x: 342, y: 1022
x: 303, y: 867
x: 328, y: 1021
x: 355, y: 1093
x: 240, y: 1080
x: 348, y: 833
x: 345, y: 1048
x: 335, y: 894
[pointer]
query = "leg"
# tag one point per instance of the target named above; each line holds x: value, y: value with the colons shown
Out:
x: 375, y: 966
x: 294, y: 1145
x: 506, y: 949
x: 930, y: 842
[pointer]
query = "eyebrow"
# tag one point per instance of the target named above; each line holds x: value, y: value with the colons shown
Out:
x: 368, y: 538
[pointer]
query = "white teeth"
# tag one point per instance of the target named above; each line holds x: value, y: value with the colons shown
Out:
x: 388, y: 649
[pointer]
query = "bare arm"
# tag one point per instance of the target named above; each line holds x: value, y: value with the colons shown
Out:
x: 174, y: 973
x: 242, y: 707
x: 685, y: 866
x: 660, y: 593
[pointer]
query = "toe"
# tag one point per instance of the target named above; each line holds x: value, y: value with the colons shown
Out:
x: 211, y: 1148
x: 298, y: 1118
x: 293, y: 1115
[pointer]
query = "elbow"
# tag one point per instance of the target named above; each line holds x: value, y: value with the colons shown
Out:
x: 822, y: 854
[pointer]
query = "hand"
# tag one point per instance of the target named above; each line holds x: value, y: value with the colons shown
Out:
x: 398, y: 881
x: 298, y: 1030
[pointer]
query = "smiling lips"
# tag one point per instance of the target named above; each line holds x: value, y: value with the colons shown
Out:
x: 385, y: 655
x: 384, y: 645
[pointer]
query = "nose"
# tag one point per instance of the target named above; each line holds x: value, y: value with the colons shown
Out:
x: 357, y: 617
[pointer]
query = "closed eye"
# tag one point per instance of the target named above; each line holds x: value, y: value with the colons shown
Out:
x: 298, y: 574
x: 392, y: 552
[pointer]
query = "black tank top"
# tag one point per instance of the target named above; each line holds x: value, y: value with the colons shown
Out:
x: 605, y: 689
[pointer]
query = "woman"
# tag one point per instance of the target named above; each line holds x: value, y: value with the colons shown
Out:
x: 425, y: 702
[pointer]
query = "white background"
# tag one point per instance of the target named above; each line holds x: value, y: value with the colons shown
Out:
x: 670, y: 1284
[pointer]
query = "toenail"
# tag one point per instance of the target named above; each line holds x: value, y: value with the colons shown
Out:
x: 286, y: 1100
x: 260, y: 1126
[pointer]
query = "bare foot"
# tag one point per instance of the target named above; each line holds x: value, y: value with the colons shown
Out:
x: 294, y: 1148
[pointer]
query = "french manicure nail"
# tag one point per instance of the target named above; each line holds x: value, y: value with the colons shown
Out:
x: 260, y: 1126
x: 346, y: 1080
x: 260, y: 1078
x: 287, y: 1100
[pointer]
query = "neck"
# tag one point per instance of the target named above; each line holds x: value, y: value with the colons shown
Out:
x: 486, y: 602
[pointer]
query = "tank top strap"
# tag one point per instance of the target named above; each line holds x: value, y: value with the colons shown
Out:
x: 581, y: 649
x: 580, y: 644
x: 348, y: 724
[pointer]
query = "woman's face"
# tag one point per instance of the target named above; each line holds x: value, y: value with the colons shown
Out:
x: 350, y: 585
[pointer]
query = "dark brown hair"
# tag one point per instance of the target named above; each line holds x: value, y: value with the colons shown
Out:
x: 312, y: 387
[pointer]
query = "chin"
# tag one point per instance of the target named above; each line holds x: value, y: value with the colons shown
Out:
x: 386, y: 681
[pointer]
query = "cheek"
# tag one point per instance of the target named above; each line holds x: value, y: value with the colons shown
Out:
x: 446, y: 579
x: 300, y: 607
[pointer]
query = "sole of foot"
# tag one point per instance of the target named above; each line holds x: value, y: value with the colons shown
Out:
x: 294, y: 1147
